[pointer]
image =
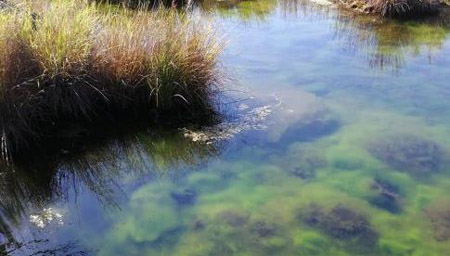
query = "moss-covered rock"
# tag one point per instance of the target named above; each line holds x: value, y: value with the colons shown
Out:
x: 340, y: 223
x: 414, y: 155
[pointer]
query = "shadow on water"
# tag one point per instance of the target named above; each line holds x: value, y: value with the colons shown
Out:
x: 103, y: 167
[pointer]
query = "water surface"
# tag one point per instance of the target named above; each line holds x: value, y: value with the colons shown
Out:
x: 335, y: 142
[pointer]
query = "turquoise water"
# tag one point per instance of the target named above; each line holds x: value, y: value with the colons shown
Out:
x: 335, y: 142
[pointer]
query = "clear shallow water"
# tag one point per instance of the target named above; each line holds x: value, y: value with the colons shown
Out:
x: 338, y: 146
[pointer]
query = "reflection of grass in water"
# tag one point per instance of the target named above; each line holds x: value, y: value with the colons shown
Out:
x: 243, y: 9
x: 105, y: 169
x: 388, y: 42
x: 246, y: 10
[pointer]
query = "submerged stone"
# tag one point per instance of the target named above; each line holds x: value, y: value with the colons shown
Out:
x: 186, y: 197
x: 340, y: 223
x: 387, y: 197
x: 310, y: 130
x: 410, y: 154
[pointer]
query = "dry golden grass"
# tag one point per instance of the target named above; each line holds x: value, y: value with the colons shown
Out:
x: 63, y: 59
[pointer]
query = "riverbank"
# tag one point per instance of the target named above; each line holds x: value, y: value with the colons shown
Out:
x: 64, y: 62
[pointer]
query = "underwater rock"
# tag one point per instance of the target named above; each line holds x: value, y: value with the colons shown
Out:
x: 340, y: 223
x: 298, y: 116
x: 248, y: 118
x: 310, y: 130
x: 186, y: 197
x: 410, y: 154
x: 387, y: 197
x: 263, y: 229
x: 234, y: 219
x: 439, y: 216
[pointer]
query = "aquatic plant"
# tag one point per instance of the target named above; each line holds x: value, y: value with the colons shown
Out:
x: 75, y: 62
x: 302, y: 161
x: 414, y: 155
x: 263, y: 228
x: 234, y: 218
x: 341, y: 223
x: 438, y: 214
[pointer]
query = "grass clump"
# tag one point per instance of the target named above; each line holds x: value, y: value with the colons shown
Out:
x: 71, y: 60
x: 395, y: 8
x: 405, y: 8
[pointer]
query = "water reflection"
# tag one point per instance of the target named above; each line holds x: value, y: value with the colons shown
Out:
x: 388, y: 44
x: 385, y: 43
x: 103, y: 171
x: 245, y: 10
x: 259, y: 10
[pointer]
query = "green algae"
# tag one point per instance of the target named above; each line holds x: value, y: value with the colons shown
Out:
x: 250, y: 206
x: 229, y: 206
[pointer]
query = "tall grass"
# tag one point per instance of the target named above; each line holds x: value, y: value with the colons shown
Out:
x: 72, y: 60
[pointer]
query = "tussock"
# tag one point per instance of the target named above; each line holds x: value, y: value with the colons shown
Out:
x: 405, y: 8
x: 77, y: 61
